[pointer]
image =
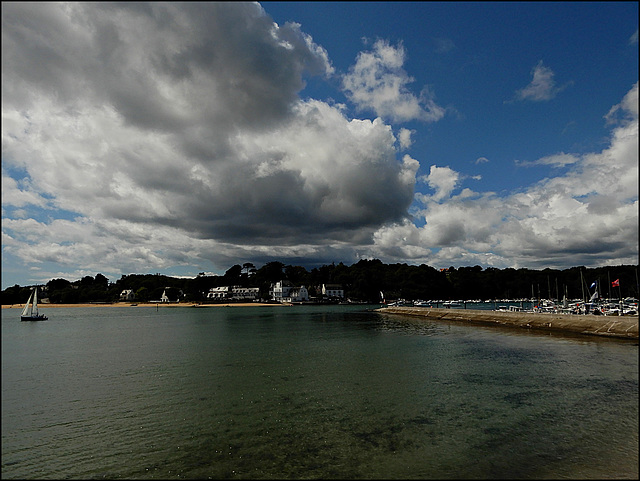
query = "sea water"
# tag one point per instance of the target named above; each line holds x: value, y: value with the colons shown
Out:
x: 309, y: 392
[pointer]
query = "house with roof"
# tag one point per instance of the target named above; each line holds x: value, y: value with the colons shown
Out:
x: 285, y: 291
x: 177, y: 293
x: 236, y: 293
x: 127, y: 295
x: 218, y: 293
x: 333, y: 290
x: 245, y: 293
x: 297, y: 294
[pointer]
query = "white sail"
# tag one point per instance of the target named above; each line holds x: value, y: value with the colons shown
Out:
x: 30, y: 311
x: 35, y: 302
x: 27, y: 307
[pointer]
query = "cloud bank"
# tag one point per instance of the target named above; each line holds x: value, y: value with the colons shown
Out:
x: 589, y: 215
x: 176, y: 130
x: 139, y: 137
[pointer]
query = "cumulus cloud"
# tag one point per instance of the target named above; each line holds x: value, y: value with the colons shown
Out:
x: 542, y: 87
x: 592, y: 209
x: 175, y: 132
x: 404, y: 137
x: 442, y: 180
x: 377, y: 82
x: 625, y: 111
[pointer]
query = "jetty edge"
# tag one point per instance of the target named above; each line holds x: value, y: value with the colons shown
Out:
x: 625, y: 327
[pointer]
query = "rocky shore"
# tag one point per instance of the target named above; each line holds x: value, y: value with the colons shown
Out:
x: 610, y: 326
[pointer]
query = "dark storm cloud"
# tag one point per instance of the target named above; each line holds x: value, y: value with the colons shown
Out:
x: 188, y: 116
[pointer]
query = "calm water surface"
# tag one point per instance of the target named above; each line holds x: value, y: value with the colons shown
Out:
x: 309, y: 392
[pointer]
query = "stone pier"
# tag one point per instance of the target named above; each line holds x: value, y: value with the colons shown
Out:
x: 611, y: 326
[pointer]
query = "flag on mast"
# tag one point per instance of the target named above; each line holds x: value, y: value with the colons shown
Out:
x: 616, y: 283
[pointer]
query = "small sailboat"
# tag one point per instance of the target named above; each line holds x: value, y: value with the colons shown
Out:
x: 30, y: 311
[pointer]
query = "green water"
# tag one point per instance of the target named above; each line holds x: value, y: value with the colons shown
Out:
x: 309, y: 392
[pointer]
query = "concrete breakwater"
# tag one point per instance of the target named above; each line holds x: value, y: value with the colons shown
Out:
x: 610, y: 326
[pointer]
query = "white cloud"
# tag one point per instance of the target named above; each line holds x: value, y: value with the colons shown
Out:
x: 442, y: 180
x: 173, y: 134
x: 556, y: 160
x: 627, y: 110
x: 592, y: 209
x: 377, y: 82
x: 184, y: 140
x: 19, y: 195
x: 404, y: 138
x: 542, y: 87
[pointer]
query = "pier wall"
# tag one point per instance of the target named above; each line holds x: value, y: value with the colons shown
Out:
x: 611, y: 326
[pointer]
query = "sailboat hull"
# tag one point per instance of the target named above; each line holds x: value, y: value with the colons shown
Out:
x: 40, y: 317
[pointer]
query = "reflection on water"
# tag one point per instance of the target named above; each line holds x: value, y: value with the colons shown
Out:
x: 309, y: 392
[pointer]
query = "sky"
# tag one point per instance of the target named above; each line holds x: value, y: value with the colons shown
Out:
x: 180, y: 138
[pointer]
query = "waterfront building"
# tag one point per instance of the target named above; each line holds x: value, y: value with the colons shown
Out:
x: 332, y: 290
x: 285, y: 291
x: 236, y: 293
x: 127, y: 295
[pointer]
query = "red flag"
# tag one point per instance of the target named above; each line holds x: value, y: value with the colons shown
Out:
x: 616, y: 283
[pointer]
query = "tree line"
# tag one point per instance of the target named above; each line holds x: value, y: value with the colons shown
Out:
x: 362, y: 281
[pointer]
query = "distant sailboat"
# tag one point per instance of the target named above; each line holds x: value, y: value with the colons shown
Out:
x: 30, y: 311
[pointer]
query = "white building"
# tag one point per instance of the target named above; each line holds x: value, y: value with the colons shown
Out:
x: 284, y: 291
x: 218, y: 293
x: 245, y: 293
x: 234, y: 292
x: 297, y: 294
x: 165, y: 298
x: 280, y: 290
x: 332, y: 290
x: 127, y: 295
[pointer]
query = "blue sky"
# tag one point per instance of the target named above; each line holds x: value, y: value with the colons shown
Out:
x: 185, y: 138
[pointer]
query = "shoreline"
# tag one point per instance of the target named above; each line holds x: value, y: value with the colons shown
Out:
x: 145, y: 304
x: 622, y: 327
